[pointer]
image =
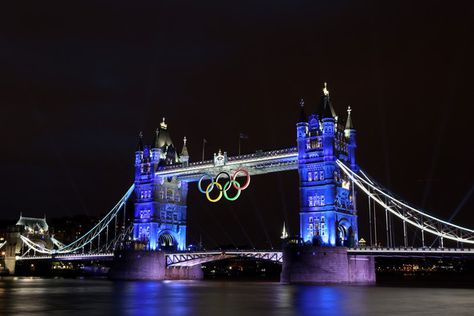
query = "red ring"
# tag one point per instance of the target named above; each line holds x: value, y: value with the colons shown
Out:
x: 234, y: 177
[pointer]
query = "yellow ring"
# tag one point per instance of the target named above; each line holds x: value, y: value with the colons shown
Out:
x: 219, y: 186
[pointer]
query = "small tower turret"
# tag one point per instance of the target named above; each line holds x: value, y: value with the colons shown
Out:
x: 155, y: 149
x: 184, y: 158
x: 350, y: 134
x: 302, y: 129
x: 329, y: 122
x: 139, y: 151
x: 284, y: 232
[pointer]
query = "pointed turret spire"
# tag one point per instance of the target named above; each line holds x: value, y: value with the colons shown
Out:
x: 326, y: 109
x: 302, y: 113
x: 163, y: 124
x: 184, y: 151
x: 325, y: 89
x: 155, y: 138
x: 284, y: 233
x: 140, y: 141
x: 349, y: 124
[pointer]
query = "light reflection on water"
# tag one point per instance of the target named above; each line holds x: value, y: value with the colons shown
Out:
x: 36, y: 296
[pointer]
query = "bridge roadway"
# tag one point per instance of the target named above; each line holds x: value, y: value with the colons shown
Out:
x: 259, y: 162
x: 191, y: 258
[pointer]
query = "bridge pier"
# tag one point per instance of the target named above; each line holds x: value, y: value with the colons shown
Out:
x: 149, y: 265
x: 309, y: 264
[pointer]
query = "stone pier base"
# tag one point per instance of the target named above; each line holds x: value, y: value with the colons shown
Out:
x: 149, y: 265
x: 308, y: 264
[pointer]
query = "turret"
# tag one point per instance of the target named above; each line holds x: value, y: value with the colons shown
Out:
x: 184, y: 157
x: 350, y: 134
x: 139, y: 151
x: 328, y: 119
x: 301, y: 130
x: 155, y: 149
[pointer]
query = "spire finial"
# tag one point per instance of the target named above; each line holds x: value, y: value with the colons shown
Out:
x: 184, y: 140
x: 325, y: 89
x: 349, y: 124
x: 302, y: 102
x: 163, y: 124
x: 284, y: 233
x: 140, y: 141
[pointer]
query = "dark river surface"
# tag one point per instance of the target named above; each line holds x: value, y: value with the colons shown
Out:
x: 39, y: 296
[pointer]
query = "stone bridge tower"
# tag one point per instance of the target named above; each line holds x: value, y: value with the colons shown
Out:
x: 160, y: 202
x: 328, y: 215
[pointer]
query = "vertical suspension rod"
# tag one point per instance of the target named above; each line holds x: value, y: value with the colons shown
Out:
x: 422, y: 233
x: 370, y: 221
x: 405, y: 239
x: 386, y: 226
x: 375, y: 222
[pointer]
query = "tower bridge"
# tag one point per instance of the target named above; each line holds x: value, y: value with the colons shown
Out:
x: 330, y: 181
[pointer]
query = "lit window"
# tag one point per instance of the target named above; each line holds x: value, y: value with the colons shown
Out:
x: 321, y: 175
x: 311, y: 219
x: 310, y: 201
x: 322, y: 200
x: 310, y: 176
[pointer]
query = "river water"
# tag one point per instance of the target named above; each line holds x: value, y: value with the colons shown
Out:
x: 39, y: 296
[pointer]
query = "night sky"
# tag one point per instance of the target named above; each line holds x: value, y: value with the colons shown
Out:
x: 79, y: 83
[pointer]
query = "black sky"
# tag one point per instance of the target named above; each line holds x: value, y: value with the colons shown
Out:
x: 79, y: 83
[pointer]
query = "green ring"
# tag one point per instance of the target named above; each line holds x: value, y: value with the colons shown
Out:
x: 227, y: 187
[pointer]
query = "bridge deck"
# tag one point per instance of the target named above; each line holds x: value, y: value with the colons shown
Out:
x: 256, y: 163
x: 190, y: 258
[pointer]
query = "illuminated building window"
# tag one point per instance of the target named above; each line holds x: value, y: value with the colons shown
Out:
x: 310, y: 176
x: 321, y: 175
x: 162, y: 194
x: 310, y: 201
x: 322, y: 200
x: 175, y: 217
x: 311, y: 219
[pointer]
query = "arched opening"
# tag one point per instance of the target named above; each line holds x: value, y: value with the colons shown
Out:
x: 341, y: 235
x: 167, y: 242
x: 344, y: 234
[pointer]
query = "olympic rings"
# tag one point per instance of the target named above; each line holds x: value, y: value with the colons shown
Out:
x: 226, y: 188
x: 200, y: 180
x: 223, y: 189
x: 247, y: 183
x: 219, y: 186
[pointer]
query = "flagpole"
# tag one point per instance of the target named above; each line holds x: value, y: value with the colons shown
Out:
x: 203, y: 147
x: 239, y: 143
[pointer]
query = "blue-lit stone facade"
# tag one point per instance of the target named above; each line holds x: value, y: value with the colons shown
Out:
x: 328, y: 215
x: 160, y: 202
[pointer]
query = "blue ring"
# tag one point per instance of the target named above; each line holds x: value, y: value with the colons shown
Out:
x: 200, y: 180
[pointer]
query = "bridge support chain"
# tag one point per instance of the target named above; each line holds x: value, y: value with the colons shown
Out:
x: 309, y: 264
